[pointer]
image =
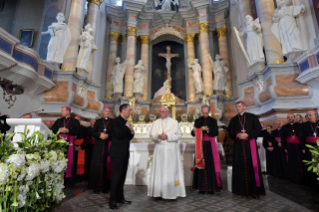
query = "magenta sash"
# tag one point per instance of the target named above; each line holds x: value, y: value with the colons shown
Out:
x: 92, y: 141
x: 312, y: 140
x: 108, y: 160
x: 293, y: 140
x: 253, y: 151
x: 70, y: 139
x: 277, y: 139
x: 215, y: 157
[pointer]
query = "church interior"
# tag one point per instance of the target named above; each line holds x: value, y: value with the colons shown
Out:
x: 182, y: 54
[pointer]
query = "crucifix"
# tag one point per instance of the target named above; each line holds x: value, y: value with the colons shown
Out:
x: 168, y: 56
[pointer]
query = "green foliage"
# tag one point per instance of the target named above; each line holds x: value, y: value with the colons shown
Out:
x: 314, y: 164
x: 147, y: 117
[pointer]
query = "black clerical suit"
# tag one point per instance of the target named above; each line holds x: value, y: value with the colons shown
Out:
x: 4, y: 127
x: 73, y: 126
x: 119, y: 153
x: 204, y: 180
x: 280, y: 166
x: 268, y: 142
x: 98, y: 173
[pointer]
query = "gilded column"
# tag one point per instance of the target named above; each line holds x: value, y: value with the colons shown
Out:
x: 223, y: 52
x: 272, y: 46
x: 206, y: 65
x: 130, y: 56
x: 144, y: 56
x: 114, y: 37
x: 190, y: 60
x: 93, y: 12
x: 75, y: 25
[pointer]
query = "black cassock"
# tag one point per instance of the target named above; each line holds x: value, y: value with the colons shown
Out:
x: 205, y: 179
x: 88, y: 152
x: 74, y: 127
x: 280, y: 166
x: 98, y: 179
x: 295, y: 155
x: 83, y: 134
x: 244, y: 178
x: 307, y: 133
x: 268, y: 142
x: 4, y: 127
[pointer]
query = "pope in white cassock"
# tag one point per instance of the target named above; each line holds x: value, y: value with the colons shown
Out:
x: 167, y: 176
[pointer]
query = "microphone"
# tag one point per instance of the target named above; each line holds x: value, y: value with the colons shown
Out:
x: 35, y: 111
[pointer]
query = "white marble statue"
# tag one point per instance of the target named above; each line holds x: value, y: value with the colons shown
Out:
x: 165, y: 4
x: 117, y: 75
x: 220, y: 70
x: 162, y: 90
x: 197, y: 77
x: 285, y: 27
x: 60, y: 39
x: 87, y: 47
x: 139, y: 76
x: 254, y: 42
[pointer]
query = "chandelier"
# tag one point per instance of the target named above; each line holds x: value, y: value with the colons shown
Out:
x: 10, y: 91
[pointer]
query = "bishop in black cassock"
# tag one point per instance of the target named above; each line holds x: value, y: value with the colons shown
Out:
x: 281, y: 165
x: 310, y: 135
x: 69, y: 126
x: 100, y: 172
x: 208, y: 179
x: 89, y: 148
x: 269, y: 147
x: 290, y: 141
x: 243, y: 129
x: 4, y: 127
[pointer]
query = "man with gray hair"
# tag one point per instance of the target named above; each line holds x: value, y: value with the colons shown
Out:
x: 167, y: 175
x: 206, y: 175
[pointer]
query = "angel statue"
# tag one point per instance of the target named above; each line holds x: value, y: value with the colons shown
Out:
x: 197, y: 75
x: 117, y: 75
x: 139, y: 75
x: 87, y: 47
x: 220, y: 70
x: 254, y: 42
x: 285, y: 26
x: 60, y: 39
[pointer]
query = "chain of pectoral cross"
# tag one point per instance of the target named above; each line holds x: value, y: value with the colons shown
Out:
x: 242, y: 124
x: 314, y: 130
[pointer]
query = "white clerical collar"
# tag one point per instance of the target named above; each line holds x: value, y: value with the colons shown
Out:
x: 278, y: 129
x: 242, y: 113
x: 67, y: 117
x: 105, y: 118
x: 291, y: 123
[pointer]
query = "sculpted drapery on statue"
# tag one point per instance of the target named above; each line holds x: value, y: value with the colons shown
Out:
x: 220, y: 70
x: 117, y: 75
x: 197, y: 77
x: 166, y: 5
x: 60, y: 39
x: 87, y: 46
x: 285, y: 27
x: 254, y: 42
x: 139, y: 77
x: 162, y: 90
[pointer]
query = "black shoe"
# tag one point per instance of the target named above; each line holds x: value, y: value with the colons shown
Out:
x: 210, y: 192
x: 202, y: 192
x: 113, y: 206
x: 158, y: 198
x: 126, y: 202
x: 96, y: 191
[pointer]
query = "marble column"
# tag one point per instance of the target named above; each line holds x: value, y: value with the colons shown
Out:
x: 75, y: 25
x: 114, y: 37
x: 92, y: 18
x: 190, y: 60
x: 272, y: 46
x: 223, y: 52
x: 206, y: 65
x: 130, y: 56
x: 245, y: 9
x: 145, y: 42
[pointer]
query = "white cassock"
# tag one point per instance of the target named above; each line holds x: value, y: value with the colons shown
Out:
x: 167, y: 175
x: 262, y: 154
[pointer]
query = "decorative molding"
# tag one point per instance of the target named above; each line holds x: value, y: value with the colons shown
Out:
x: 189, y: 38
x: 97, y: 2
x: 167, y: 30
x: 114, y: 36
x: 221, y: 31
x: 203, y: 27
x: 145, y: 39
x: 131, y: 31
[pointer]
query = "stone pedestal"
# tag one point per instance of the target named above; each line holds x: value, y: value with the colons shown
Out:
x: 138, y: 96
x: 291, y: 56
x: 83, y: 72
x: 199, y: 94
x: 256, y: 66
x: 117, y: 95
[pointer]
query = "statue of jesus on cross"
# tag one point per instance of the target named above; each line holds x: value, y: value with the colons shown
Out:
x: 168, y: 56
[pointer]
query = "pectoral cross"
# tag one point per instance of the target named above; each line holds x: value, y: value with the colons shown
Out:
x: 243, y: 131
x: 315, y: 134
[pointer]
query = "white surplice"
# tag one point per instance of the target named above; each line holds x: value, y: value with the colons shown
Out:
x: 167, y: 175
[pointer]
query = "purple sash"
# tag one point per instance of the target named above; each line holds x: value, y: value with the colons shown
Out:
x: 108, y: 160
x: 70, y: 139
x: 277, y: 139
x: 215, y: 157
x: 253, y: 151
x: 312, y: 140
x: 293, y: 140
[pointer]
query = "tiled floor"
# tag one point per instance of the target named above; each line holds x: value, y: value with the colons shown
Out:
x: 281, y: 196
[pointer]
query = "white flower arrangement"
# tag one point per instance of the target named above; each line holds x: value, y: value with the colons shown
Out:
x: 32, y: 169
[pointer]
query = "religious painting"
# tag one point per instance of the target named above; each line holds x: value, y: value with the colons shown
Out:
x: 159, y: 70
x: 26, y: 37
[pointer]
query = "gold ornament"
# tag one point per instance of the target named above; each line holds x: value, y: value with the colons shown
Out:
x: 114, y: 36
x: 97, y: 2
x: 67, y: 69
x: 190, y: 38
x: 131, y: 31
x: 203, y: 27
x: 145, y: 39
x: 278, y: 62
x: 221, y: 32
